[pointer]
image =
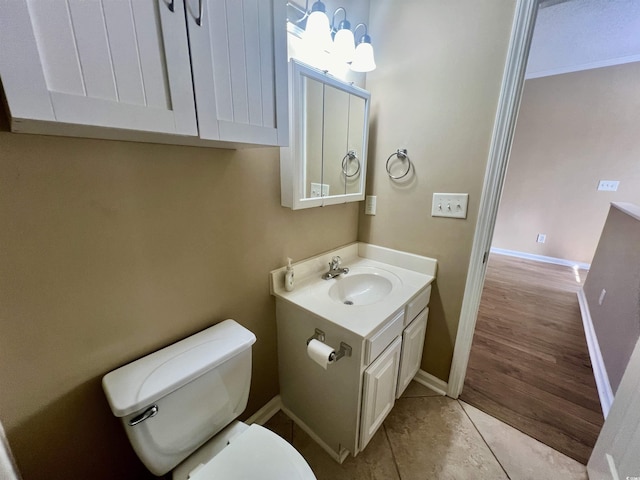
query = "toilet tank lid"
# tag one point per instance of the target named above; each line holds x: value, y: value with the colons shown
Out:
x: 146, y: 380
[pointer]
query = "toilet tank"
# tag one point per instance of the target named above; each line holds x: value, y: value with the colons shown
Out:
x: 173, y: 400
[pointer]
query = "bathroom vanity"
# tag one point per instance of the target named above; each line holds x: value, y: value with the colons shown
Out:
x: 379, y: 310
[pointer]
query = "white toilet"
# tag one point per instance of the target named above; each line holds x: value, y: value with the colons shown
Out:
x: 179, y: 404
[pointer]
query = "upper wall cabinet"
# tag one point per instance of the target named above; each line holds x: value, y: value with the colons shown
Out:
x: 239, y: 56
x: 75, y: 67
x: 326, y: 161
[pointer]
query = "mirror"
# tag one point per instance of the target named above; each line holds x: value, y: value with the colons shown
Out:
x: 325, y: 162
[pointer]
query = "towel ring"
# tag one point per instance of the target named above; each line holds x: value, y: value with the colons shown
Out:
x: 401, y: 154
x: 351, y: 154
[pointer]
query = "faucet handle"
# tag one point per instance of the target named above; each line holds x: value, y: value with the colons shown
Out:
x: 335, y: 262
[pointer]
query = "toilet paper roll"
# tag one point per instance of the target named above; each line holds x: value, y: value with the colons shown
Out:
x: 319, y: 352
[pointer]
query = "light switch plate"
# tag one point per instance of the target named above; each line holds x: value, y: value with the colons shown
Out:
x: 453, y: 205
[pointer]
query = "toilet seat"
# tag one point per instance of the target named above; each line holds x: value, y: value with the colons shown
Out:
x: 257, y: 453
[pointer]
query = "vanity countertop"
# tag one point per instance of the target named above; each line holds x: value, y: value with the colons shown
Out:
x: 409, y: 273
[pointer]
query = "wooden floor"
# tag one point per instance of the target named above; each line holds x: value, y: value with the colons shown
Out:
x: 529, y: 363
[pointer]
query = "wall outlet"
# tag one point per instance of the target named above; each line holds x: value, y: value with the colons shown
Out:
x: 370, y: 205
x: 608, y: 185
x: 319, y: 189
x: 452, y: 205
x: 541, y: 238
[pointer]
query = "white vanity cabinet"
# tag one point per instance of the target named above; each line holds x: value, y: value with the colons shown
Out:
x: 343, y: 406
x: 377, y: 312
x: 123, y: 69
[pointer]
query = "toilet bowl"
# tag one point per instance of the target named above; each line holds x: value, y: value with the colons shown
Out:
x: 178, y: 407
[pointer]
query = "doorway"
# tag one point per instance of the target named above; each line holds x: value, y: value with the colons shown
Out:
x: 466, y: 328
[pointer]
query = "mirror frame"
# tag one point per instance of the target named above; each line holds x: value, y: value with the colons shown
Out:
x: 292, y: 158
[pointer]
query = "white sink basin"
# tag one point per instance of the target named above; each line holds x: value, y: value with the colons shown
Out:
x: 361, y: 288
x: 379, y: 282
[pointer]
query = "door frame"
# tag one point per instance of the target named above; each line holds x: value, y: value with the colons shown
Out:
x: 501, y: 141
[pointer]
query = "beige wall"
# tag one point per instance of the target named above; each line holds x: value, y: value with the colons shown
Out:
x: 435, y: 93
x: 110, y: 250
x: 616, y: 269
x: 573, y: 131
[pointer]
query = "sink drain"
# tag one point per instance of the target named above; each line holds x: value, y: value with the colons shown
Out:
x: 348, y: 302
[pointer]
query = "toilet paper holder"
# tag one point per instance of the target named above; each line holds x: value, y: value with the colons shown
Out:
x: 344, y: 350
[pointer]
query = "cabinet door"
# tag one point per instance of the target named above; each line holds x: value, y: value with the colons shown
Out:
x: 121, y: 64
x: 412, y: 344
x: 239, y: 61
x: 379, y: 391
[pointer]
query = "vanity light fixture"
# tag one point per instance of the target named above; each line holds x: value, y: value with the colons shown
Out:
x: 318, y: 35
x: 363, y: 60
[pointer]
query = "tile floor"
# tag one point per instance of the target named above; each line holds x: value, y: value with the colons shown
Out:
x: 428, y: 436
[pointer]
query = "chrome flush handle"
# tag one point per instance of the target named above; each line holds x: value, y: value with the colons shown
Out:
x: 148, y: 413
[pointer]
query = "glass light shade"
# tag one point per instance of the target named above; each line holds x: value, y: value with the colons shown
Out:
x: 363, y: 59
x: 318, y: 32
x: 344, y: 45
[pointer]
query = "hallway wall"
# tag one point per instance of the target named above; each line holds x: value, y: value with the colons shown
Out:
x: 573, y: 131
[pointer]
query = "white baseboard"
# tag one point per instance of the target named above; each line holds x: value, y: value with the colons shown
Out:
x: 540, y: 258
x: 599, y: 371
x: 337, y: 456
x: 263, y: 415
x: 429, y: 381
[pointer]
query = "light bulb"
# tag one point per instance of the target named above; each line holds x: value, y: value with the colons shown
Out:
x: 363, y: 60
x: 343, y: 43
x: 317, y: 32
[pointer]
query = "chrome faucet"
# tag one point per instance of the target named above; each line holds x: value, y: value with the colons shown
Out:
x: 335, y: 269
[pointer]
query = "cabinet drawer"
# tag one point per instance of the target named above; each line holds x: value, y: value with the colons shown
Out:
x: 415, y: 306
x: 376, y: 344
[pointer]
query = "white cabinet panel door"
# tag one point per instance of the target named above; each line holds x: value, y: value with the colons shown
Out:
x: 116, y: 63
x: 380, y: 380
x: 239, y: 59
x: 412, y: 345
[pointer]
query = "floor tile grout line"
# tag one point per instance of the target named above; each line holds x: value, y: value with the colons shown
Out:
x: 483, y: 439
x: 393, y: 455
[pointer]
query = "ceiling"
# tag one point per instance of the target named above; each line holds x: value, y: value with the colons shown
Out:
x: 573, y: 35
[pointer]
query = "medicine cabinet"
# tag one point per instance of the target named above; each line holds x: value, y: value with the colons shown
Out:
x: 326, y: 161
